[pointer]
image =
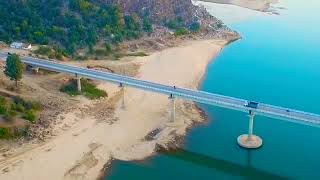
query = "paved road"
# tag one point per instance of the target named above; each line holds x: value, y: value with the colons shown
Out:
x: 193, y: 95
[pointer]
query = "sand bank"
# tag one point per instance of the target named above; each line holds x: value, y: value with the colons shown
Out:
x: 230, y: 14
x: 258, y: 5
x: 86, y: 142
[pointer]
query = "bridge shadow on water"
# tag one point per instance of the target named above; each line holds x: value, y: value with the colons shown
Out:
x: 246, y: 171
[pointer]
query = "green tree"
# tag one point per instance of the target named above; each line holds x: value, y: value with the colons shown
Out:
x: 147, y: 27
x: 14, y: 68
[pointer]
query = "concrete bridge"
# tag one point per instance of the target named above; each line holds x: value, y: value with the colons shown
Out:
x: 252, y: 108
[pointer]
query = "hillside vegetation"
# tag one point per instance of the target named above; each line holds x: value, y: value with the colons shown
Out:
x: 68, y: 25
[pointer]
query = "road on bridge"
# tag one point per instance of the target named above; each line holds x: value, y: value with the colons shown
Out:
x: 183, y: 93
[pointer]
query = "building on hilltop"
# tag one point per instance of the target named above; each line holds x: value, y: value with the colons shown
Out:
x: 20, y: 45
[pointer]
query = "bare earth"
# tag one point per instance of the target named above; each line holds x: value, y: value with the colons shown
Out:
x: 86, y: 139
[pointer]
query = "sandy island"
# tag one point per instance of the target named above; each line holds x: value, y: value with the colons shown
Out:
x: 85, y: 146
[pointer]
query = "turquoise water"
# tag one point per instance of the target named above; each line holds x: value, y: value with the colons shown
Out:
x: 277, y: 62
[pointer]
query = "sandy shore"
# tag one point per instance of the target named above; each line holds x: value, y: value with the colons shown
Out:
x: 258, y: 5
x: 88, y: 143
x: 230, y: 14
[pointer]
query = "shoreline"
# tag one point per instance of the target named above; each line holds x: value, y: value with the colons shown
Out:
x: 179, y: 140
x: 263, y: 5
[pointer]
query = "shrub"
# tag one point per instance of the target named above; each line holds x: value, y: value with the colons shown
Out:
x: 181, y: 32
x: 91, y: 92
x: 4, y: 133
x: 88, y: 89
x: 20, y: 108
x: 26, y: 105
x: 13, y: 106
x: 3, y: 109
x: 30, y: 116
x: 18, y: 100
x: 101, y: 52
x: 3, y: 101
x: 32, y: 105
x: 43, y: 50
x: 9, y: 116
x: 70, y: 88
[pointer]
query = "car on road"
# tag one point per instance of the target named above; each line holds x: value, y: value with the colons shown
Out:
x: 251, y: 104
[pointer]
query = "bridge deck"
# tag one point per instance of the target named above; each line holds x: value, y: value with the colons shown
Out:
x: 193, y: 95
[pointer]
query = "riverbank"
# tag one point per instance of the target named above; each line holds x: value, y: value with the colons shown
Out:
x: 89, y: 142
x: 262, y: 5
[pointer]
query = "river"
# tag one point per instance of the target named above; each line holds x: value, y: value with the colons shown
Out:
x: 276, y: 62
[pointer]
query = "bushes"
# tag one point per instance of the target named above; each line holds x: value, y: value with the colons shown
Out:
x: 88, y: 89
x: 5, y: 133
x: 30, y: 115
x: 26, y: 109
x: 3, y: 109
x: 20, y: 108
x: 3, y: 101
x: 43, y: 50
x: 3, y: 105
x: 55, y: 53
x: 70, y: 88
x: 101, y: 52
x: 9, y: 115
x: 181, y: 32
x: 21, y: 104
x: 9, y: 109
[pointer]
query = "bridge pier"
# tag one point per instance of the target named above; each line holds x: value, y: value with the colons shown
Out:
x: 78, y: 82
x: 36, y: 69
x: 122, y: 89
x: 173, y: 108
x: 250, y: 141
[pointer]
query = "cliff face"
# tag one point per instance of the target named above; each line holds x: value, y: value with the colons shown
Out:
x: 162, y: 11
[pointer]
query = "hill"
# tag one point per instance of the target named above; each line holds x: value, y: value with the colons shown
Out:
x: 72, y: 24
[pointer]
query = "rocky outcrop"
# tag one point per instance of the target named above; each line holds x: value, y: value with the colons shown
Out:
x: 162, y: 11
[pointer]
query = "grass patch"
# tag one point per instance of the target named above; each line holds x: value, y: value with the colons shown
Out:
x: 88, y: 89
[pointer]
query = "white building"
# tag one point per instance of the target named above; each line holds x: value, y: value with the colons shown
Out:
x: 16, y: 45
x: 20, y: 45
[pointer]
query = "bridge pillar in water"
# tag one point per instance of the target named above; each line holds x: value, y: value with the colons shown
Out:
x: 122, y: 89
x: 173, y: 108
x: 250, y: 141
x: 78, y: 82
